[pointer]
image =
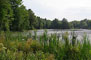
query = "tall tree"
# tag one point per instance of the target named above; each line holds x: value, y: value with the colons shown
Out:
x: 55, y: 24
x: 75, y: 24
x: 65, y: 24
x: 48, y: 24
x: 89, y: 24
x: 15, y: 7
x: 20, y: 16
x: 5, y: 15
x: 83, y: 24
x: 32, y: 19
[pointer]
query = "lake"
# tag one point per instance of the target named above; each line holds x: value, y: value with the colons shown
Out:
x: 78, y: 32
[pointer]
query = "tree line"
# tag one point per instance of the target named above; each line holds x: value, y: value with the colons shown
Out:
x: 15, y: 17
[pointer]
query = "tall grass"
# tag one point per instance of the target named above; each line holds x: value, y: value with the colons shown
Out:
x: 45, y: 47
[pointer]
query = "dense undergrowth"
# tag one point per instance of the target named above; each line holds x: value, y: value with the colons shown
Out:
x: 43, y: 47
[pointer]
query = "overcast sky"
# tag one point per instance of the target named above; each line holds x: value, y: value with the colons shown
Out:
x: 70, y: 9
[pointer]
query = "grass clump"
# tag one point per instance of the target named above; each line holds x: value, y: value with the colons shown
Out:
x: 43, y: 47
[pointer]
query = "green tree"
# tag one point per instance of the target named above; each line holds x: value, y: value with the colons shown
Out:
x: 48, y: 24
x: 21, y: 17
x: 23, y: 22
x: 55, y: 24
x: 32, y: 19
x: 15, y: 7
x: 89, y: 24
x: 65, y: 24
x: 83, y: 24
x: 75, y: 24
x: 5, y: 15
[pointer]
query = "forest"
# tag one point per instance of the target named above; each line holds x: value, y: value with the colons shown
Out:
x: 15, y: 17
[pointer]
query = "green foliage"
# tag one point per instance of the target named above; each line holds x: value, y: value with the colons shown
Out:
x: 65, y: 24
x: 5, y: 15
x: 46, y: 48
x: 15, y: 17
x: 55, y: 24
x: 32, y: 19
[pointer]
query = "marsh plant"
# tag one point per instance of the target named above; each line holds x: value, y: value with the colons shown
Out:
x: 43, y: 47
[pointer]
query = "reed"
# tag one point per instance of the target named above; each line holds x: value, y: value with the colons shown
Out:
x: 45, y: 47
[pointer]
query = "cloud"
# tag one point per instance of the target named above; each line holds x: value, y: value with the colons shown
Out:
x: 70, y: 9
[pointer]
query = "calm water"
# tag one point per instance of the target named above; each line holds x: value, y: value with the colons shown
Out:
x: 78, y: 32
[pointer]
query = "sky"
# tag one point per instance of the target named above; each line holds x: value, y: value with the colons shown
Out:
x: 69, y: 9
